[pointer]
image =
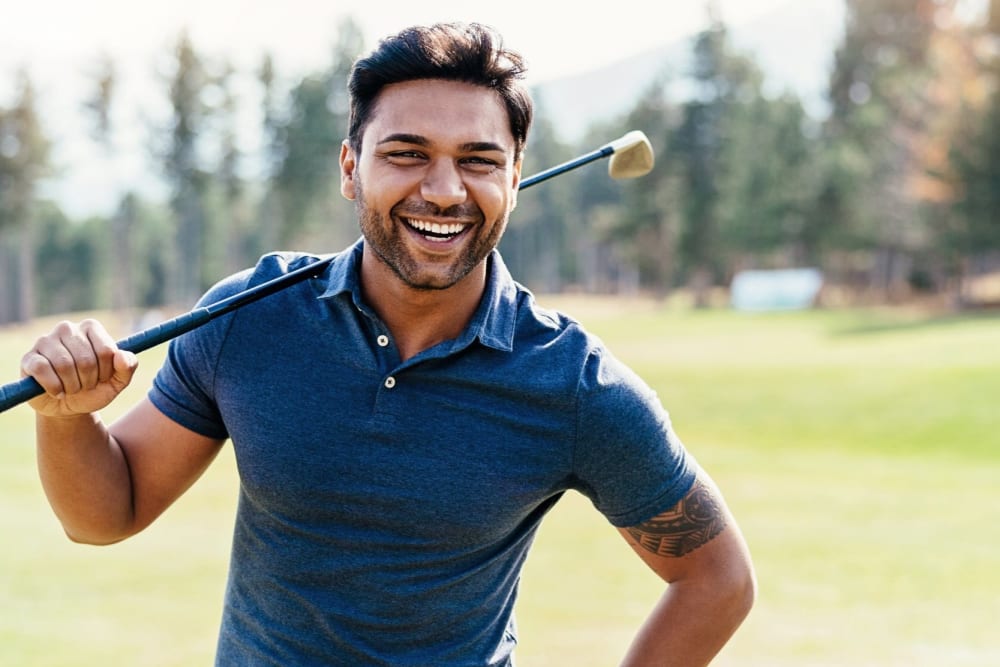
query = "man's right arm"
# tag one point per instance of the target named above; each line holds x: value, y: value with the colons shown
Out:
x: 105, y: 483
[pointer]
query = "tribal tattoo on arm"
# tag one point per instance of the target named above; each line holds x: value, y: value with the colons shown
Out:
x: 691, y: 523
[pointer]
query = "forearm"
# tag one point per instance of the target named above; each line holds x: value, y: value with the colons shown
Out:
x: 85, y: 477
x: 690, y: 624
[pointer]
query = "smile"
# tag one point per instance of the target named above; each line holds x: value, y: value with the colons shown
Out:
x: 435, y: 231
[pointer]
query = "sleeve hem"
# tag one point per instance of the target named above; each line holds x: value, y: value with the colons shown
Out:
x: 660, y: 504
x: 162, y: 402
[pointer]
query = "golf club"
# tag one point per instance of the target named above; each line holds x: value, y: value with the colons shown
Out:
x: 631, y: 157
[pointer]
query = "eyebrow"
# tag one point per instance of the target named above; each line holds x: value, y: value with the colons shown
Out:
x: 419, y: 140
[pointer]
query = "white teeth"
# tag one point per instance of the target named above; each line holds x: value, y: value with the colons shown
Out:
x: 434, y: 227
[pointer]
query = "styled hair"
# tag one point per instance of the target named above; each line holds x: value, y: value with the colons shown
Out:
x: 467, y: 52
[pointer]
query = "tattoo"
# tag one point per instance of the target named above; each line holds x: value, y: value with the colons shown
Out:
x: 689, y: 524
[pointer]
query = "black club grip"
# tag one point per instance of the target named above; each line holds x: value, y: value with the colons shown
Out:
x: 161, y: 333
x: 15, y: 393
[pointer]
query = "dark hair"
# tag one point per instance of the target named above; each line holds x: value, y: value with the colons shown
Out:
x: 471, y: 53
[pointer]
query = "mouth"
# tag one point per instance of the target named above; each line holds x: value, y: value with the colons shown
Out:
x: 436, y: 232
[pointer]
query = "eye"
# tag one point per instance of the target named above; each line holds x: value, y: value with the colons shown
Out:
x: 480, y: 164
x: 405, y: 157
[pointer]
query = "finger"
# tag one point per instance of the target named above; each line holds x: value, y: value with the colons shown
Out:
x: 51, y: 363
x: 103, y: 346
x: 125, y: 364
x: 37, y: 365
x: 84, y: 357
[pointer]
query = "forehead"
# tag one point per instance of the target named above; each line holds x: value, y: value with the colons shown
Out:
x: 448, y: 112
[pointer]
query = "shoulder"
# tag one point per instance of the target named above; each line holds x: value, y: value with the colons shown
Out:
x: 598, y: 366
x: 551, y: 340
x: 558, y: 343
x: 276, y: 264
x: 268, y: 267
x: 553, y: 328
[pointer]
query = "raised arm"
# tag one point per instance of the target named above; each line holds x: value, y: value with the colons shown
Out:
x: 104, y: 484
x: 699, y: 551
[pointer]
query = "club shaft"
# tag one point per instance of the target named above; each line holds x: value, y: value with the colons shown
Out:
x: 15, y: 393
x: 27, y: 388
x: 566, y: 166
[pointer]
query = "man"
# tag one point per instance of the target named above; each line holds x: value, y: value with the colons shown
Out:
x: 403, y: 422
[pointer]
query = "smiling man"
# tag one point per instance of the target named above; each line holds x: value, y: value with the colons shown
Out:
x: 450, y: 179
x: 444, y: 181
x: 403, y: 422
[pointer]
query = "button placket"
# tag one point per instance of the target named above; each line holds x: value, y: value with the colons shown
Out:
x: 383, y: 341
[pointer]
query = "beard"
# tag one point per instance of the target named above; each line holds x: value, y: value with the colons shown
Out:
x: 387, y: 239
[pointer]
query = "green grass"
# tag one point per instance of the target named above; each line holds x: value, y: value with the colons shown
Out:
x: 858, y: 451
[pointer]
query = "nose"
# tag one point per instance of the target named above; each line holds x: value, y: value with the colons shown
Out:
x: 442, y: 184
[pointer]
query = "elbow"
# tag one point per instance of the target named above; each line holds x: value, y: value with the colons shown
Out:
x: 95, y: 538
x: 748, y: 594
x: 95, y: 527
x: 741, y: 592
x: 93, y: 541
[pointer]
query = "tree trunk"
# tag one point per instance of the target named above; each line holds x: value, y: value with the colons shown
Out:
x: 26, y: 273
x: 123, y: 277
x: 8, y: 281
x: 700, y: 284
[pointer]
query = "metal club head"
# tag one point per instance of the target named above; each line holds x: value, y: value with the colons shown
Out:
x: 632, y: 156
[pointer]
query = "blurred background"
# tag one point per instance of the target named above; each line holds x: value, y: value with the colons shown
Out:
x: 809, y: 279
x: 859, y: 138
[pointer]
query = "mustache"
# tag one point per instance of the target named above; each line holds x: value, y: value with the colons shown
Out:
x: 415, y: 209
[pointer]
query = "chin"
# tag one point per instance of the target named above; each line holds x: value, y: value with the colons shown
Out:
x: 428, y: 282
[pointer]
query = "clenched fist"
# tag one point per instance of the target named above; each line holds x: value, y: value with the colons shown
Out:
x: 80, y: 368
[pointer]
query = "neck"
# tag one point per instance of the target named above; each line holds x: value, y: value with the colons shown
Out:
x: 419, y: 319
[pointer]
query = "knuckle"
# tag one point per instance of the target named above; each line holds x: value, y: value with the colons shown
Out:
x: 40, y: 367
x: 95, y: 332
x: 64, y: 328
x: 32, y: 363
x: 90, y: 324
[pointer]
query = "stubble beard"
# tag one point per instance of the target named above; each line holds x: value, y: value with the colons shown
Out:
x: 386, y: 239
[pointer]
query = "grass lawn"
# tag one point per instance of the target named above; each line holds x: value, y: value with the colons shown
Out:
x: 858, y: 450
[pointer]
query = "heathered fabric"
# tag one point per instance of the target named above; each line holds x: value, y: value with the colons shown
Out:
x: 385, y: 522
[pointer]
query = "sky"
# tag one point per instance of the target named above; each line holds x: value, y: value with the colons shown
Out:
x: 64, y: 34
x: 59, y: 42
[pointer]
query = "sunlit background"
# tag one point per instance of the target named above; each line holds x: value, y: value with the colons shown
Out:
x: 813, y: 133
x: 809, y: 278
x: 61, y: 45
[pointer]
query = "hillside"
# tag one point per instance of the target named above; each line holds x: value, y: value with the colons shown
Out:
x: 794, y: 46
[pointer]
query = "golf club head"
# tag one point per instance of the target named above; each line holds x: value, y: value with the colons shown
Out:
x: 632, y: 156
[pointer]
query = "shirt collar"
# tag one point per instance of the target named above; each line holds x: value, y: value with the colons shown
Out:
x: 344, y: 274
x: 494, y: 319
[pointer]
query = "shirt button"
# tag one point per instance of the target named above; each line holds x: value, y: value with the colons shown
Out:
x: 390, y: 382
x: 382, y: 340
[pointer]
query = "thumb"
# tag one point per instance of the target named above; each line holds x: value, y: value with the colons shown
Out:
x: 125, y: 364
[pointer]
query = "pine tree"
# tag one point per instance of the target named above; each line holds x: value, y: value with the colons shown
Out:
x: 24, y: 161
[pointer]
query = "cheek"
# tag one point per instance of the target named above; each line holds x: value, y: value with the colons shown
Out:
x: 495, y: 200
x: 392, y: 188
x: 376, y: 197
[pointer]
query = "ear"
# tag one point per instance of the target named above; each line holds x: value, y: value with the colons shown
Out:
x: 516, y: 184
x: 348, y: 165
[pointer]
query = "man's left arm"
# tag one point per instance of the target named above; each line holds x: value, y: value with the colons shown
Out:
x: 697, y: 548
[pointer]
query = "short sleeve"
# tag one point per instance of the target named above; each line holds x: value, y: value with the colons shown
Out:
x: 183, y: 387
x: 627, y: 460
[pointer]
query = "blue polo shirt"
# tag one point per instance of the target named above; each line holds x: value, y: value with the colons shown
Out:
x: 386, y: 507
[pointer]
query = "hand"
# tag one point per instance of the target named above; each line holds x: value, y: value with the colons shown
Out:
x: 80, y: 368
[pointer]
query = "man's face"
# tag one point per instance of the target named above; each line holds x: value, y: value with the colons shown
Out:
x: 435, y: 181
